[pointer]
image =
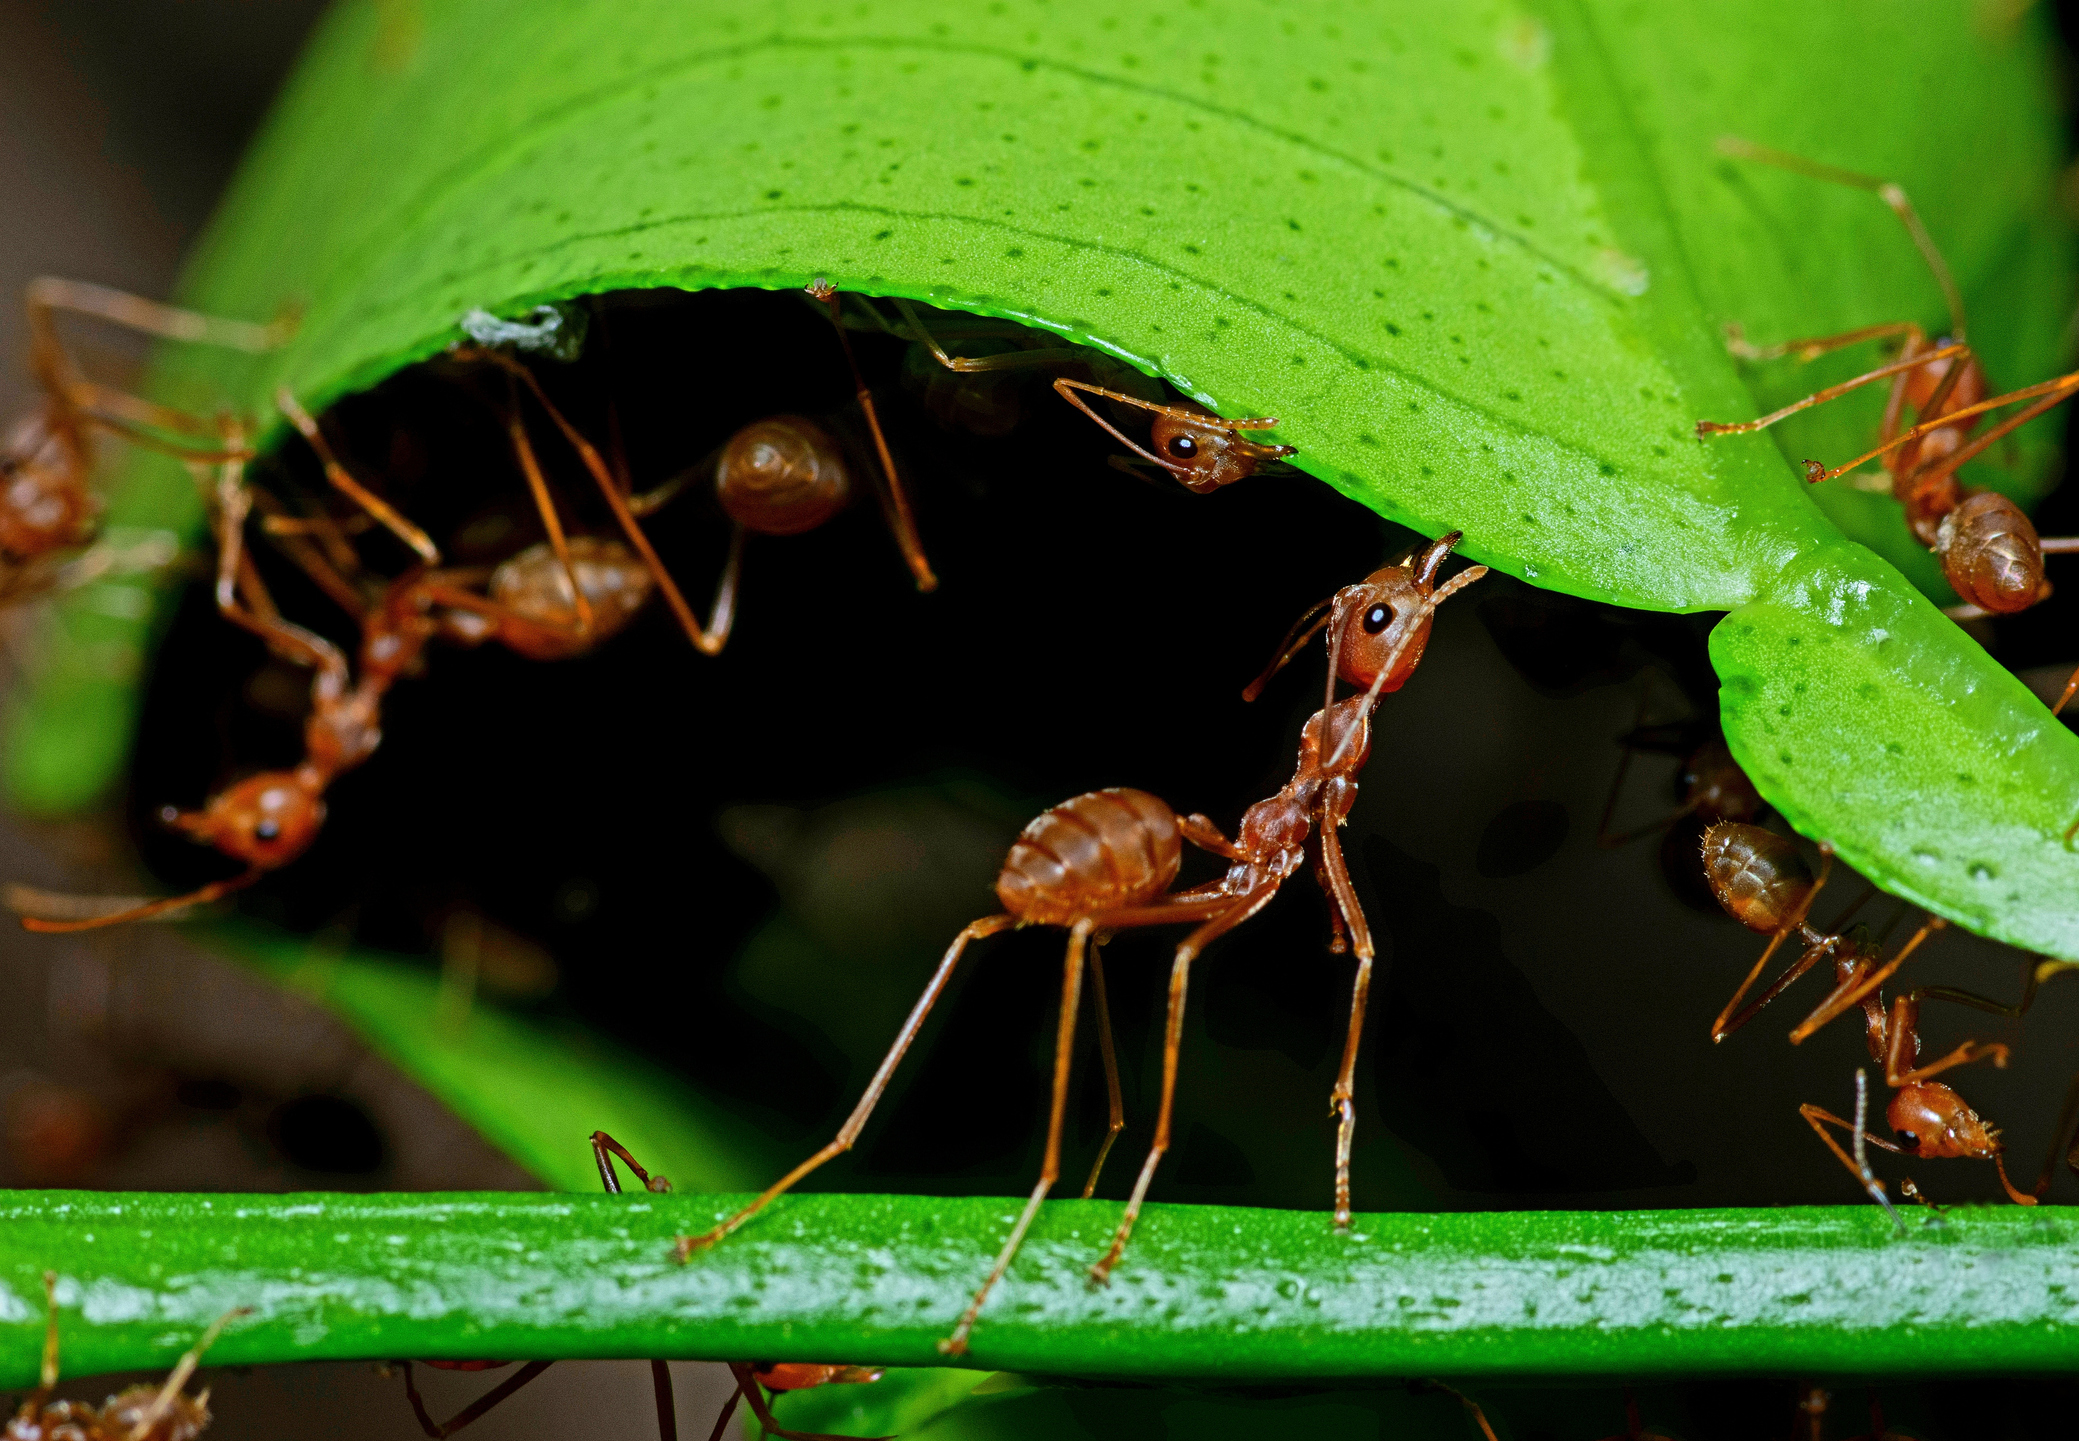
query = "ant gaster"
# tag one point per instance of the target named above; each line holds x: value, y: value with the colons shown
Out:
x: 141, y: 1413
x: 1764, y: 883
x: 1104, y: 862
x: 1990, y: 552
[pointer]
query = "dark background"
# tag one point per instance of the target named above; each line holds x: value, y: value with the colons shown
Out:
x: 742, y: 867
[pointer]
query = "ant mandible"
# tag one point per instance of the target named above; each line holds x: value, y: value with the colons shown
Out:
x: 1104, y: 862
x: 753, y: 1381
x: 1763, y: 882
x: 140, y: 1413
x: 1990, y: 552
x: 47, y: 459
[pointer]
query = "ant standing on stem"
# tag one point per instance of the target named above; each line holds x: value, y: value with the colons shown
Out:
x: 1104, y: 862
x: 1990, y: 551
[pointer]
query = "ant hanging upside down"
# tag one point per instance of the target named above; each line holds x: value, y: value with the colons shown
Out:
x: 1990, y: 552
x: 1105, y: 861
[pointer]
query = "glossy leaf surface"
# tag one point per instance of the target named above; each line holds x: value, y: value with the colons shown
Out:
x: 1475, y: 258
x: 1206, y: 1292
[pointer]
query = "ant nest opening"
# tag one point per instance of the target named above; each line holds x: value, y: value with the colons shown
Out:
x: 745, y: 864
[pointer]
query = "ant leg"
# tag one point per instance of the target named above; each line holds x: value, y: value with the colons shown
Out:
x: 747, y: 1385
x: 1811, y: 348
x: 1835, y: 392
x: 476, y: 1409
x: 1724, y: 1026
x: 1111, y: 1068
x: 48, y: 293
x: 1472, y: 1407
x: 722, y: 619
x: 616, y: 502
x: 328, y: 567
x: 545, y: 505
x: 2053, y: 393
x: 2058, y: 1136
x: 390, y: 519
x: 214, y: 891
x: 1816, y: 1115
x: 47, y: 1377
x: 1172, y: 1041
x: 728, y: 1410
x: 1050, y: 1165
x: 1888, y: 191
x: 895, y: 501
x: 856, y: 1122
x: 604, y: 1147
x: 1201, y: 832
x: 667, y: 1404
x: 1851, y: 994
x: 235, y: 574
x: 1342, y: 1103
x: 148, y: 1420
x: 1012, y: 360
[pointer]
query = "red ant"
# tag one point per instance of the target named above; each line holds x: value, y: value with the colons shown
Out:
x: 782, y: 475
x: 48, y: 458
x: 1712, y: 787
x: 753, y: 1381
x: 1104, y: 861
x: 1764, y: 883
x: 141, y: 1413
x: 1990, y: 551
x: 269, y: 819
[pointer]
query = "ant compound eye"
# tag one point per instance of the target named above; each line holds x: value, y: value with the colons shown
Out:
x: 1377, y: 619
x: 1908, y: 1140
x: 269, y: 829
x: 1183, y: 447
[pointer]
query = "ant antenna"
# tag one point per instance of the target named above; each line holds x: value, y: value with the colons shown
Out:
x: 1303, y: 630
x: 1888, y: 191
x: 1862, y: 1158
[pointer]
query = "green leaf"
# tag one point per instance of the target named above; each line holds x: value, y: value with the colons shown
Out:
x: 1207, y: 1292
x: 535, y: 1089
x: 1476, y: 260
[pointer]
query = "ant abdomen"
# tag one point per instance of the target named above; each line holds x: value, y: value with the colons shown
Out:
x: 781, y: 476
x: 1991, y: 554
x: 533, y: 584
x: 1097, y: 851
x: 1759, y: 877
x: 43, y: 507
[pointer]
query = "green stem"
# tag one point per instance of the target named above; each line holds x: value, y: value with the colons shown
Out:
x: 1205, y: 1292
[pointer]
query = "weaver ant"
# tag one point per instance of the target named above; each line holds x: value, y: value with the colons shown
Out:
x: 1104, y: 861
x: 1764, y: 883
x: 1990, y: 552
x: 269, y: 819
x: 753, y: 1381
x: 47, y: 459
x: 1710, y: 783
x: 141, y: 1413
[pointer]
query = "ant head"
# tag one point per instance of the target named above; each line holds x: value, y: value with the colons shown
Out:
x: 781, y: 476
x: 1374, y: 617
x: 1759, y: 877
x: 1207, y: 454
x: 43, y: 504
x: 1930, y: 1119
x: 266, y: 820
x: 1991, y: 554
